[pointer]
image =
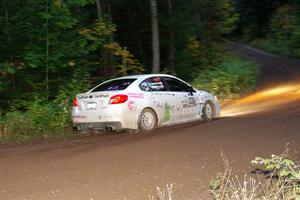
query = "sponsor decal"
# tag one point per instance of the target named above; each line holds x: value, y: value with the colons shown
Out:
x: 131, y: 106
x: 102, y: 96
x: 166, y: 105
x: 190, y: 102
x: 82, y: 97
x: 136, y: 95
x: 91, y: 96
x: 79, y: 117
x: 167, y: 113
x: 172, y: 108
x: 158, y: 104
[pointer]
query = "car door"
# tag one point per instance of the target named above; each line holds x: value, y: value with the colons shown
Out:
x: 159, y: 99
x: 186, y: 99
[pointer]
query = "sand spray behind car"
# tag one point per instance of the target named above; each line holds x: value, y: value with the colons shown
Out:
x: 264, y: 99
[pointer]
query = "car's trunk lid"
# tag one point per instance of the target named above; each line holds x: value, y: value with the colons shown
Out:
x: 94, y: 101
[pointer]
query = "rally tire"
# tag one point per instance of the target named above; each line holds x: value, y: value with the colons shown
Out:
x: 208, y: 111
x: 147, y: 120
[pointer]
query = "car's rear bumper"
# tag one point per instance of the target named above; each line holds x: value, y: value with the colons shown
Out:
x: 108, y: 126
x: 115, y: 118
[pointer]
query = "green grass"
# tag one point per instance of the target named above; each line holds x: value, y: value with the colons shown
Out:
x: 40, y: 121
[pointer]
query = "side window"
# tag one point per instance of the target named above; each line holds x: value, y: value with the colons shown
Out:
x: 175, y: 85
x: 152, y: 84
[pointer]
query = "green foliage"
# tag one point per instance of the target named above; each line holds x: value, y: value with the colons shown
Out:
x: 283, y: 37
x: 194, y: 58
x: 284, y: 176
x: 97, y: 36
x: 128, y: 65
x: 255, y: 17
x: 219, y: 17
x: 98, y: 39
x: 67, y: 92
x: 44, y: 118
x: 15, y: 125
x: 40, y: 121
x: 199, y: 32
x: 283, y: 23
x: 229, y: 17
x: 273, y: 46
x: 231, y: 77
x: 280, y: 166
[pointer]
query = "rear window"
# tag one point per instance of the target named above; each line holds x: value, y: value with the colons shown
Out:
x: 119, y: 84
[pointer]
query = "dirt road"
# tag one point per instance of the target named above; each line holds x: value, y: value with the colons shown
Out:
x: 128, y: 166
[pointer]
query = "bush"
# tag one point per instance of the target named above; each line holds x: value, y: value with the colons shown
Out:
x: 230, y: 78
x: 40, y: 121
x: 41, y: 117
x: 15, y: 125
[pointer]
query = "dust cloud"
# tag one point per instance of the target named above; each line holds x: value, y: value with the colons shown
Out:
x: 270, y: 97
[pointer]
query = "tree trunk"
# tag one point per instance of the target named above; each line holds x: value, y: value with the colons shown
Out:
x: 155, y: 37
x: 7, y: 24
x: 109, y: 12
x: 99, y: 10
x: 47, y: 48
x: 172, y: 49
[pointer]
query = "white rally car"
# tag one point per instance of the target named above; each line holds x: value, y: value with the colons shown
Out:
x: 142, y: 102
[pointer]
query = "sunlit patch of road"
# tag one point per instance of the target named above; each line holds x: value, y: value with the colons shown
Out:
x: 264, y: 99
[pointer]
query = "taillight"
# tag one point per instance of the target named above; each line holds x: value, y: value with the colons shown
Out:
x: 75, y: 102
x: 119, y: 98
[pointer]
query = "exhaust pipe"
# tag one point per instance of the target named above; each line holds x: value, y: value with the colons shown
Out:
x: 108, y: 128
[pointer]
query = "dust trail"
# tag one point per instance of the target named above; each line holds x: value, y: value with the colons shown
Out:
x: 265, y: 99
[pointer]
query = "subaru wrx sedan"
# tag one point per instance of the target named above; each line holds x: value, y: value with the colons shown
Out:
x: 143, y: 103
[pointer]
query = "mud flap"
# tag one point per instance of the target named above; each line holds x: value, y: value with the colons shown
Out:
x: 201, y: 106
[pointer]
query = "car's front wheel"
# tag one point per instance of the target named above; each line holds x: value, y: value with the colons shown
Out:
x: 208, y: 111
x: 147, y: 121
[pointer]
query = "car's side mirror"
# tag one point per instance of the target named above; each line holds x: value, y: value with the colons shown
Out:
x: 191, y: 90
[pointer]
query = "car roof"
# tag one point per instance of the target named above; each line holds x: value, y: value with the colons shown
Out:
x: 139, y: 78
x: 143, y: 76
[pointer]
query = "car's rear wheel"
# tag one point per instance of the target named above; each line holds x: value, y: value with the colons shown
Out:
x: 208, y: 111
x: 147, y: 121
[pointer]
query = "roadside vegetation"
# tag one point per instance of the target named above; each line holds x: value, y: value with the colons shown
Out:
x: 231, y: 78
x: 277, y: 178
x: 276, y: 32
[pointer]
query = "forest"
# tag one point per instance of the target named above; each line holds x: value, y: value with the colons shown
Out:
x: 50, y: 50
